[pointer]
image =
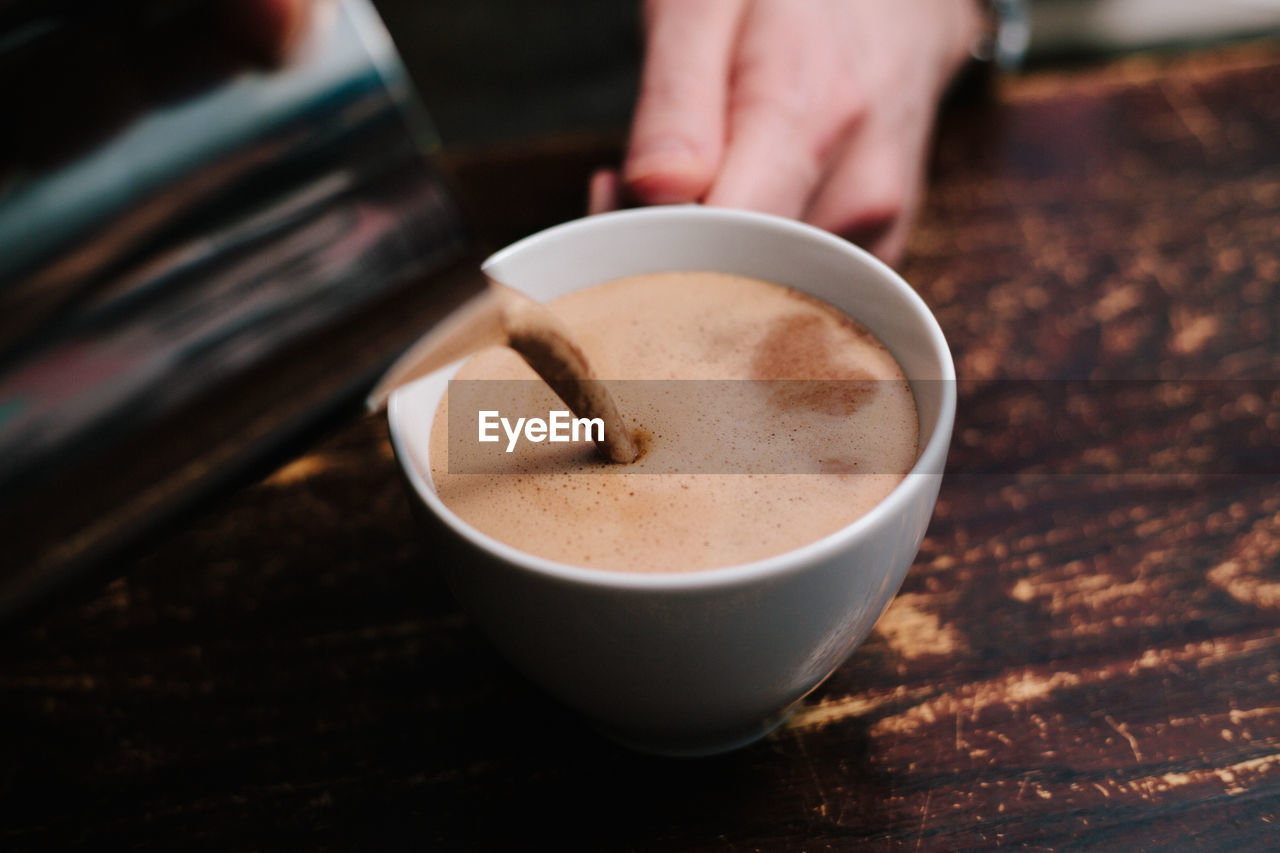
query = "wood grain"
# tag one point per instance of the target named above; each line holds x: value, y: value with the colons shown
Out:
x: 1084, y: 655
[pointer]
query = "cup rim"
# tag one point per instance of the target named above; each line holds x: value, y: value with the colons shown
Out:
x: 931, y: 458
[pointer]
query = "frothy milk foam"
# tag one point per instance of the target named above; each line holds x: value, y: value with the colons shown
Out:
x: 585, y: 511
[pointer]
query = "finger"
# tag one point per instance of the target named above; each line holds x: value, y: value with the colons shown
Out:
x: 602, y: 192
x: 871, y: 191
x: 677, y: 134
x: 861, y: 198
x: 266, y: 29
x: 765, y: 167
x: 783, y: 115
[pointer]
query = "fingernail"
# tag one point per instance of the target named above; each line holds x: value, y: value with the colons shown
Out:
x: 664, y: 154
x: 666, y: 171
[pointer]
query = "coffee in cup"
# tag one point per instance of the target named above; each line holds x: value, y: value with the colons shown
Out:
x: 769, y: 419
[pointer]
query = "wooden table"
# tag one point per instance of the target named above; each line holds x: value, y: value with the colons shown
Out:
x: 1086, y: 653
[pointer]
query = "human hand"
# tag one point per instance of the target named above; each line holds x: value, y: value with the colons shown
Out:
x: 819, y: 110
x: 266, y: 28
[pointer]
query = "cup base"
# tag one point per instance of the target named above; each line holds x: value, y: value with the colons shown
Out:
x: 702, y: 745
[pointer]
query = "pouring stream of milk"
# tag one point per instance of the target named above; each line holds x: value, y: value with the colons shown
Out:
x: 502, y: 316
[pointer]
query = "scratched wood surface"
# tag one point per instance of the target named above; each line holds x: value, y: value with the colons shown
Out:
x: 1085, y: 655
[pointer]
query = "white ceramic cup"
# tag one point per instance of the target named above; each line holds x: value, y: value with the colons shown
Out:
x: 705, y: 661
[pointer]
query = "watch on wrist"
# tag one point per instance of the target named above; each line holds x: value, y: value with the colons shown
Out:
x: 1007, y: 35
